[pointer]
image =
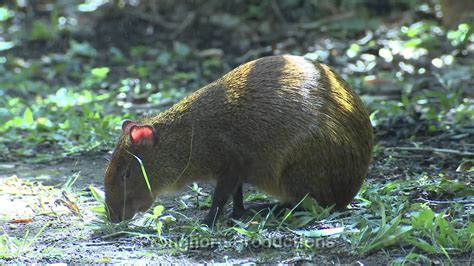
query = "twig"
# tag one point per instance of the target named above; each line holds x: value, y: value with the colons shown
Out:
x: 318, y: 23
x: 277, y: 11
x: 148, y: 106
x: 254, y: 53
x: 429, y: 149
x: 155, y: 19
x: 106, y: 243
x: 120, y: 233
x: 447, y: 201
x: 409, y: 156
x: 186, y: 22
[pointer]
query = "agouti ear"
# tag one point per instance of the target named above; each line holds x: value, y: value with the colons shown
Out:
x: 126, y: 125
x: 141, y: 135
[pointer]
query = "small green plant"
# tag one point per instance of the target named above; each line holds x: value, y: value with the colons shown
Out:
x: 102, y: 224
x: 253, y: 229
x: 97, y: 75
x: 312, y: 212
x: 199, y: 193
x: 411, y: 258
x: 461, y: 35
x: 67, y: 186
x: 99, y: 210
x: 377, y: 235
x: 12, y: 247
x: 158, y: 219
x: 433, y: 233
x: 255, y: 196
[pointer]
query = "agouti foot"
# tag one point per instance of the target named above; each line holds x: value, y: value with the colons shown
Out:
x: 276, y: 208
x: 238, y: 213
x: 208, y: 222
x: 242, y: 214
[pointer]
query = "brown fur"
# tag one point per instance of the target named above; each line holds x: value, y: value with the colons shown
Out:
x: 287, y: 125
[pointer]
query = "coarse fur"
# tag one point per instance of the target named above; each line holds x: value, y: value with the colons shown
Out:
x: 285, y: 124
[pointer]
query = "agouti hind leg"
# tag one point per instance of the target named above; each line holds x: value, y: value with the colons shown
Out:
x: 238, y: 209
x: 224, y: 188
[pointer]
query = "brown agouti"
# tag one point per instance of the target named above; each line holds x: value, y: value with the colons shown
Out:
x: 285, y: 124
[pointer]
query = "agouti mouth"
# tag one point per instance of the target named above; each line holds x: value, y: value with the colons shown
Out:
x: 120, y: 218
x: 130, y: 214
x: 114, y: 218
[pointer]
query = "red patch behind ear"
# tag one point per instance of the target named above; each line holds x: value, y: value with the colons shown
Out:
x: 142, y: 135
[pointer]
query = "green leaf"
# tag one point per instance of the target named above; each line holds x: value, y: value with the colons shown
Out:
x: 416, y: 28
x: 168, y: 218
x: 460, y: 35
x: 413, y: 43
x: 97, y: 194
x: 43, y: 31
x: 422, y: 244
x: 145, y: 175
x: 5, y: 13
x: 163, y: 59
x: 6, y: 45
x: 353, y: 50
x: 81, y: 49
x: 244, y: 231
x: 158, y: 210
x: 256, y: 196
x: 181, y: 49
x: 423, y: 219
x: 100, y: 72
x: 28, y: 117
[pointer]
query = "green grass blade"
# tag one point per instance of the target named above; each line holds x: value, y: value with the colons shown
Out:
x: 145, y: 175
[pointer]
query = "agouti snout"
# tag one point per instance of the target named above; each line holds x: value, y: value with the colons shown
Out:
x: 285, y: 124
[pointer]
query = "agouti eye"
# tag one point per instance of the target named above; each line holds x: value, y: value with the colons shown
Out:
x: 127, y: 174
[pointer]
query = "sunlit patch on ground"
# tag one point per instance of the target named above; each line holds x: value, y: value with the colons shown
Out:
x: 22, y: 200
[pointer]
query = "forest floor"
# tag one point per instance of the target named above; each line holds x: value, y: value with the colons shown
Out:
x: 52, y: 222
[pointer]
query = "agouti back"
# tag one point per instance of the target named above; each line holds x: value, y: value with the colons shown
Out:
x: 285, y: 124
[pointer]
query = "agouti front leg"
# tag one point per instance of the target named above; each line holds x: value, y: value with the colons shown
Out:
x: 224, y: 188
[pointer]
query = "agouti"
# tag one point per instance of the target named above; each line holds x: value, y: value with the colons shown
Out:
x: 287, y: 125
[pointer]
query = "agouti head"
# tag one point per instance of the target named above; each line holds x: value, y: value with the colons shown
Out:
x: 126, y: 189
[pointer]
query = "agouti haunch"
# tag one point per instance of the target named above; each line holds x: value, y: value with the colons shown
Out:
x: 287, y: 125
